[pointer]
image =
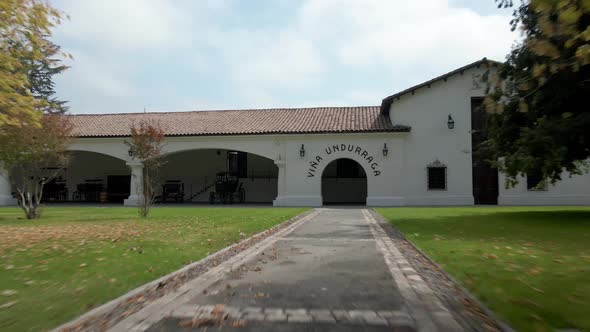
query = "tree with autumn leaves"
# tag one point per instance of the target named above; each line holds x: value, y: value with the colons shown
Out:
x: 538, y: 102
x: 145, y: 146
x: 33, y: 136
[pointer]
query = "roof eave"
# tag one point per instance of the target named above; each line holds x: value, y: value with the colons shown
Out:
x: 397, y: 129
x: 387, y: 101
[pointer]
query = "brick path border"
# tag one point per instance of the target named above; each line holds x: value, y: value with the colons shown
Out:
x: 420, y: 301
x: 392, y: 318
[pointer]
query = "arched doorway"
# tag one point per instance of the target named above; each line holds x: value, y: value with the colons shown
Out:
x: 344, y: 181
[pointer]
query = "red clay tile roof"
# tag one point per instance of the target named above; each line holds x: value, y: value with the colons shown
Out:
x: 242, y: 122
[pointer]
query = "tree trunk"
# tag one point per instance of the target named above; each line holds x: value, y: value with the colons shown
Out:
x: 147, y: 200
x: 30, y: 199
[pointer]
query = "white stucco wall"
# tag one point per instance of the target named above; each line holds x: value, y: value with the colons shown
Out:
x: 426, y: 111
x: 5, y: 189
x: 574, y: 190
x: 304, y: 174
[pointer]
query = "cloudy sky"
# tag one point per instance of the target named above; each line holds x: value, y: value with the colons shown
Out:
x: 176, y: 55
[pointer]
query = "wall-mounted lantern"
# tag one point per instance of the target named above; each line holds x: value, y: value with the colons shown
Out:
x: 131, y: 152
x: 302, y: 151
x: 451, y: 122
x: 385, y: 150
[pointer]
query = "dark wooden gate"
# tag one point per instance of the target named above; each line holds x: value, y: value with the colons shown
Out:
x: 485, y: 177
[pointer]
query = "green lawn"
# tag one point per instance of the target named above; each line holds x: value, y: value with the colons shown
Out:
x: 75, y: 258
x: 529, y: 265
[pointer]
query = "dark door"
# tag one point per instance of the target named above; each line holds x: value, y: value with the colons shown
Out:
x: 237, y: 163
x: 485, y: 177
x: 118, y: 187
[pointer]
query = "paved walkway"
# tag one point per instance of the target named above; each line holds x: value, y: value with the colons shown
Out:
x: 335, y: 270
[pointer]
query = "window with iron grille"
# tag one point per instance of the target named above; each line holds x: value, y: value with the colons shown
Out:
x: 437, y: 176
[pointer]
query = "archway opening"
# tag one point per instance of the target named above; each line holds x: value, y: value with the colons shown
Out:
x: 344, y: 181
x: 90, y: 177
x: 217, y: 176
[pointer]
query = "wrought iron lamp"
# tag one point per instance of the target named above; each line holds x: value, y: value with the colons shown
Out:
x: 450, y: 122
x: 302, y: 151
x: 385, y: 150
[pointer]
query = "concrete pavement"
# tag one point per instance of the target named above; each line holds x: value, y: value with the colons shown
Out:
x: 336, y: 270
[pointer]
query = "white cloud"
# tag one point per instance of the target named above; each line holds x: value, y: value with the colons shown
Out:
x: 269, y: 60
x: 405, y: 33
x: 128, y: 24
x: 95, y: 75
x: 401, y: 38
x: 133, y: 25
x: 366, y: 97
x: 262, y: 63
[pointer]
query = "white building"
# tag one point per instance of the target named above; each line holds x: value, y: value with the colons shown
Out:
x: 414, y: 149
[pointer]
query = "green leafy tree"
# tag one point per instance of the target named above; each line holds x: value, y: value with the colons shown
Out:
x: 540, y: 119
x: 40, y: 77
x: 24, y: 24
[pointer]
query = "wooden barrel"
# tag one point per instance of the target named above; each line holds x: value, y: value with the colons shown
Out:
x: 103, y: 197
